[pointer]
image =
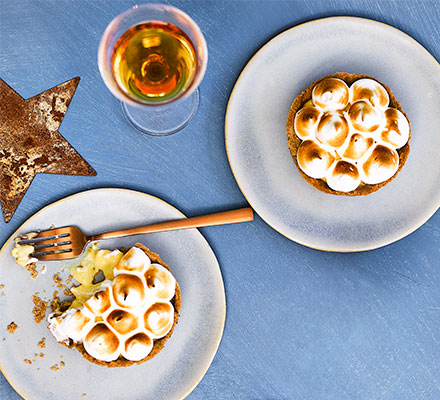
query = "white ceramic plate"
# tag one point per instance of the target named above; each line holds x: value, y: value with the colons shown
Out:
x: 176, y: 370
x: 256, y: 141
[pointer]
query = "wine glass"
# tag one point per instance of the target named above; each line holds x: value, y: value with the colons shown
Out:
x: 153, y: 57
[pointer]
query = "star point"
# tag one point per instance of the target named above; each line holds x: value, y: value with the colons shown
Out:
x: 30, y: 142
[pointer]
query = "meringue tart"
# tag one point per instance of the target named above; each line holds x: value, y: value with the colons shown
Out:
x: 127, y: 317
x: 347, y: 134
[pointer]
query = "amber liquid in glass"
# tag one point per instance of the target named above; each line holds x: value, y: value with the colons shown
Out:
x: 154, y: 62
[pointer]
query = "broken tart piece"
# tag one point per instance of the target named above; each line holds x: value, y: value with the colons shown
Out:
x: 126, y: 318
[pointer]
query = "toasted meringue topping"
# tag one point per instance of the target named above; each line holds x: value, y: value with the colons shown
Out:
x: 331, y: 94
x: 102, y: 343
x: 332, y: 129
x: 371, y: 91
x: 364, y: 117
x: 137, y: 347
x: 356, y: 146
x: 159, y: 319
x: 381, y: 165
x: 128, y: 290
x: 306, y: 122
x: 122, y: 321
x: 100, y: 302
x: 313, y: 160
x: 349, y: 136
x: 79, y: 321
x: 135, y: 260
x: 72, y: 324
x: 344, y: 177
x: 396, y: 130
x: 160, y: 282
x: 127, y: 313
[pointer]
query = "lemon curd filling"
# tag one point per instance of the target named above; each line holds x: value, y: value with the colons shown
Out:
x: 96, y: 260
x: 22, y: 252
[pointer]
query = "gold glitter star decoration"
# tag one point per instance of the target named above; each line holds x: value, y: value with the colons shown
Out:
x: 30, y: 142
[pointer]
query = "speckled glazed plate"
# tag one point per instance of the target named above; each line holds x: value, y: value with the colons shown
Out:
x: 256, y: 140
x: 176, y: 370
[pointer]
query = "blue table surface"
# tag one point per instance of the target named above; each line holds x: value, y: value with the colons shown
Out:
x: 301, y: 323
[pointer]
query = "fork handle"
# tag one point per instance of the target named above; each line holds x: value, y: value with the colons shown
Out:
x: 221, y: 218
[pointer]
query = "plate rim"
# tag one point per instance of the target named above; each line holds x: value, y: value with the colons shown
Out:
x: 391, y: 28
x: 218, y: 340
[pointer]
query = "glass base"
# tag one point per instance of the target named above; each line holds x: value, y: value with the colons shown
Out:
x: 163, y: 121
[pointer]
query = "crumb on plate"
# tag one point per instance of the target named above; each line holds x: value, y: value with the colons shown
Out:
x: 12, y: 327
x: 39, y: 309
x: 42, y: 343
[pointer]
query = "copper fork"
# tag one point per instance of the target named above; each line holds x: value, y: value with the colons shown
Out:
x: 69, y: 241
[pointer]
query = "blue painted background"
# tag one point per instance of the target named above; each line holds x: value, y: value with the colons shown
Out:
x: 301, y: 324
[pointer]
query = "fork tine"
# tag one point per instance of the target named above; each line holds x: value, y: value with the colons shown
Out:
x: 59, y: 252
x: 49, y: 235
x: 55, y: 256
x: 52, y: 248
x: 52, y: 242
x: 55, y: 231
